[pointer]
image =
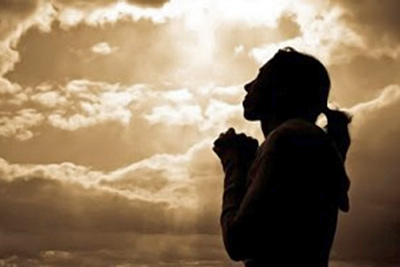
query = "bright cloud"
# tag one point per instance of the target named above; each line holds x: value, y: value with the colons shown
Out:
x: 103, y: 48
x: 20, y: 124
x: 386, y: 97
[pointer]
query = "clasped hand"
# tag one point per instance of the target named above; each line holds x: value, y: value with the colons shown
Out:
x: 235, y: 148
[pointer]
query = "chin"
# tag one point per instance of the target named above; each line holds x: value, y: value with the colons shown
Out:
x: 250, y: 111
x: 250, y: 116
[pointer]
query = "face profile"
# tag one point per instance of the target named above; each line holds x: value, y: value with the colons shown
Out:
x: 291, y: 84
x: 255, y: 102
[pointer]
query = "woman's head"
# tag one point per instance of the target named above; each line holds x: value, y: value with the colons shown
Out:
x: 291, y: 84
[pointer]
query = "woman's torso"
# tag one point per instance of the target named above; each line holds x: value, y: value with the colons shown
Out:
x: 300, y: 212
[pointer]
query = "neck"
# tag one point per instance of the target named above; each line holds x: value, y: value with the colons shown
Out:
x: 271, y: 123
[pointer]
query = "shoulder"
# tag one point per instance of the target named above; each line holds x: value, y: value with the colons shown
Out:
x: 297, y: 133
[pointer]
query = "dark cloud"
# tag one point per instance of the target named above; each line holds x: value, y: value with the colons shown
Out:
x: 371, y: 230
x: 362, y: 78
x: 47, y: 221
x: 115, y: 249
x: 50, y: 207
x: 82, y: 4
x: 63, y: 55
x: 12, y: 13
x: 288, y: 26
x: 26, y: 208
x: 125, y: 200
x: 377, y: 20
x: 45, y: 213
x: 151, y: 3
x: 21, y: 7
x: 96, y: 4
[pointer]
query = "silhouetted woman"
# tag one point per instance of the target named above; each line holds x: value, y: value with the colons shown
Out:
x: 281, y: 199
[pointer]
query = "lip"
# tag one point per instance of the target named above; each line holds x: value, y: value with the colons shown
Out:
x: 247, y: 98
x: 245, y: 103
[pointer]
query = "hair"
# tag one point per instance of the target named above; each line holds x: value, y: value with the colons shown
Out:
x: 303, y: 83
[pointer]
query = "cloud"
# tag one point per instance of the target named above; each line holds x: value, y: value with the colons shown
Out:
x: 20, y: 124
x: 151, y: 3
x: 323, y: 35
x: 103, y: 48
x: 50, y: 99
x: 103, y: 124
x: 12, y: 13
x: 175, y: 116
x: 8, y: 88
x: 285, y: 23
x: 74, y: 208
x: 100, y: 13
x: 153, y: 211
x: 8, y: 57
x: 82, y: 121
x: 83, y: 103
x: 122, y: 200
x: 168, y: 38
x: 16, y: 18
x: 116, y: 249
x: 63, y: 54
x: 80, y: 104
x: 360, y: 79
x: 378, y: 22
x: 372, y: 166
x: 156, y: 199
x: 386, y: 97
x: 177, y: 107
x: 108, y: 3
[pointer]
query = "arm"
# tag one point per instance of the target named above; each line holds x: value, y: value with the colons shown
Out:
x: 235, y: 189
x: 240, y: 219
x: 236, y: 152
x: 239, y: 198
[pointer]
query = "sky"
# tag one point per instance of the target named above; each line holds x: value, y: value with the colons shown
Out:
x: 109, y: 110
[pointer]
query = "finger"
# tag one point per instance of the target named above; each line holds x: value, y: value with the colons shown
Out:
x: 218, y: 142
x: 231, y: 131
x: 217, y: 151
x: 221, y: 142
x: 242, y: 136
x: 223, y: 137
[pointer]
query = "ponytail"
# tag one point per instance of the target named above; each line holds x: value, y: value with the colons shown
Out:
x: 337, y: 130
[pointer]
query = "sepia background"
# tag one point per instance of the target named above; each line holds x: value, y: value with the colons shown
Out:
x: 108, y: 111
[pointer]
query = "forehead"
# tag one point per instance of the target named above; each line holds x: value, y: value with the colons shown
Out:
x: 267, y: 67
